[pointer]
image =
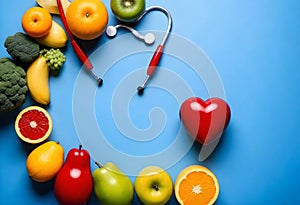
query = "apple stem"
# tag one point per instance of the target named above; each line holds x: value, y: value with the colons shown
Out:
x: 80, y: 147
x: 98, y: 164
x: 155, y: 187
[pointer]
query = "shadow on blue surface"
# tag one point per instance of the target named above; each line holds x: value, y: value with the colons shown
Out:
x: 43, y: 188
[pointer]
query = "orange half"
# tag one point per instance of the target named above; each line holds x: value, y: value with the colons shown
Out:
x: 196, y: 185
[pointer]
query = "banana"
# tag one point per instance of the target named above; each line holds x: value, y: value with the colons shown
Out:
x: 56, y: 38
x: 51, y: 5
x: 37, y: 77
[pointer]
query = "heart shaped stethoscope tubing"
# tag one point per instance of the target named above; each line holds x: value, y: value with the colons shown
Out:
x: 148, y: 39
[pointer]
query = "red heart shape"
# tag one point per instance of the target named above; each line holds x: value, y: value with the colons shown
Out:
x: 205, y: 120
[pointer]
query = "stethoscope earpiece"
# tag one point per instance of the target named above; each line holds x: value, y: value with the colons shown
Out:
x: 149, y: 38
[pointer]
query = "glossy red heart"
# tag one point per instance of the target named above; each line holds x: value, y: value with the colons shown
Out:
x: 205, y: 120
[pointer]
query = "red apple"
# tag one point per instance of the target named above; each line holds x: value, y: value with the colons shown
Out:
x: 205, y: 120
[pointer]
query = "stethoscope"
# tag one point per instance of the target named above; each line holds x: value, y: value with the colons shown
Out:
x: 148, y: 39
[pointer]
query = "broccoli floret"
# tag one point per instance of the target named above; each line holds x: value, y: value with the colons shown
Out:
x: 13, y: 86
x: 54, y: 58
x: 22, y: 48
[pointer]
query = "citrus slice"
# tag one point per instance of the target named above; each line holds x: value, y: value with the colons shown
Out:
x: 33, y: 124
x: 196, y: 185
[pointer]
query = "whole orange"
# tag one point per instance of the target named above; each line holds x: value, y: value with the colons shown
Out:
x: 87, y: 19
x: 37, y: 22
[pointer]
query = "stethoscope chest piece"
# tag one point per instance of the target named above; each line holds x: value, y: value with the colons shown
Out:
x: 149, y: 38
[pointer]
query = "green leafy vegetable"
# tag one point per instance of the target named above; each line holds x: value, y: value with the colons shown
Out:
x: 22, y: 48
x: 13, y: 86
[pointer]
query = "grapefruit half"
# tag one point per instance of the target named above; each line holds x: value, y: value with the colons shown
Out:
x: 33, y: 124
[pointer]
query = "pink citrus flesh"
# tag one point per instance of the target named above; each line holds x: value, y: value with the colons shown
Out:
x: 33, y: 124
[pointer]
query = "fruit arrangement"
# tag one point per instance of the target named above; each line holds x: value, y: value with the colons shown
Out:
x: 35, y: 54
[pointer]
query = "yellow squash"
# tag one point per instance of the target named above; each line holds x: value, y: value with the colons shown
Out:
x: 56, y: 38
x: 38, y: 80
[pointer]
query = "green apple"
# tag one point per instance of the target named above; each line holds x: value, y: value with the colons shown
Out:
x: 112, y: 186
x: 127, y: 10
x: 153, y: 186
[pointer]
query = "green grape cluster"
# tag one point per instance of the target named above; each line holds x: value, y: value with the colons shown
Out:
x: 54, y: 58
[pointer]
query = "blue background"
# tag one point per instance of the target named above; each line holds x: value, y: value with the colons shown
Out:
x: 255, y: 47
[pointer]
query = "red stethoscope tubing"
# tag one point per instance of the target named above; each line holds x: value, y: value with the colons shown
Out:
x: 155, y: 59
x: 160, y: 48
x: 79, y: 52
